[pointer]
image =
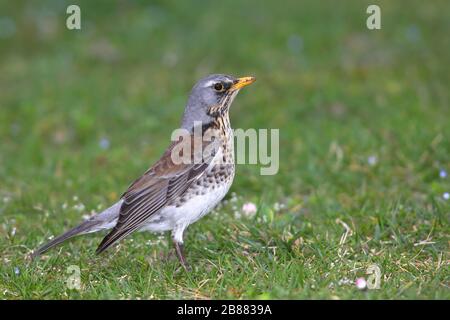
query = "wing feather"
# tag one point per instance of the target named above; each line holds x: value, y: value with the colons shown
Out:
x: 151, y: 192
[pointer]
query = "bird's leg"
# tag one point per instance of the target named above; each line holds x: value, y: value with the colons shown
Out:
x: 177, y: 236
x: 179, y: 248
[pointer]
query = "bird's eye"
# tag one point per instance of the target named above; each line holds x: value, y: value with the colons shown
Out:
x: 218, y: 86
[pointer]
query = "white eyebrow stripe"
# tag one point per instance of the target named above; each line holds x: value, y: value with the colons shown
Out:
x: 209, y: 83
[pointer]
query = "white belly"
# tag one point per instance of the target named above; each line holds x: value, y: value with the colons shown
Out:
x: 178, y: 218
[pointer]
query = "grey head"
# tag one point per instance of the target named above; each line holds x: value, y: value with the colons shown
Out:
x: 211, y: 97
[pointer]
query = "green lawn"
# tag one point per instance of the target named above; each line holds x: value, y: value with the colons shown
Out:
x: 364, y: 139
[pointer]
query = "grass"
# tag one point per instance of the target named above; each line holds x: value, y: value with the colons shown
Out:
x: 364, y: 133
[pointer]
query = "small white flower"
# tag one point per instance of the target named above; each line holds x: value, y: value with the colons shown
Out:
x: 344, y: 281
x: 79, y: 207
x: 443, y: 174
x: 249, y: 209
x: 372, y: 160
x: 278, y: 206
x: 361, y: 283
x: 446, y: 196
x: 104, y: 143
x: 16, y: 270
x: 13, y: 231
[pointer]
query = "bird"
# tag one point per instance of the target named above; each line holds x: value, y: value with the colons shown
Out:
x: 190, y: 178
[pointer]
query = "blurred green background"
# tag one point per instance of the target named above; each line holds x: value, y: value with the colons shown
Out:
x: 364, y: 138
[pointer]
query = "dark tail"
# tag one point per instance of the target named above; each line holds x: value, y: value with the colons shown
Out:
x: 80, y: 229
x: 111, y: 238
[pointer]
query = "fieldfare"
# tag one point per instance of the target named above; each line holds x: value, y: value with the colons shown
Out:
x: 188, y: 181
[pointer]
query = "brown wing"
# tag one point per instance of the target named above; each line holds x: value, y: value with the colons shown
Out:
x: 160, y: 184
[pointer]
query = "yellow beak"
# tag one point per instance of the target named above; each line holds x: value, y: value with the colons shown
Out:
x: 242, y: 82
